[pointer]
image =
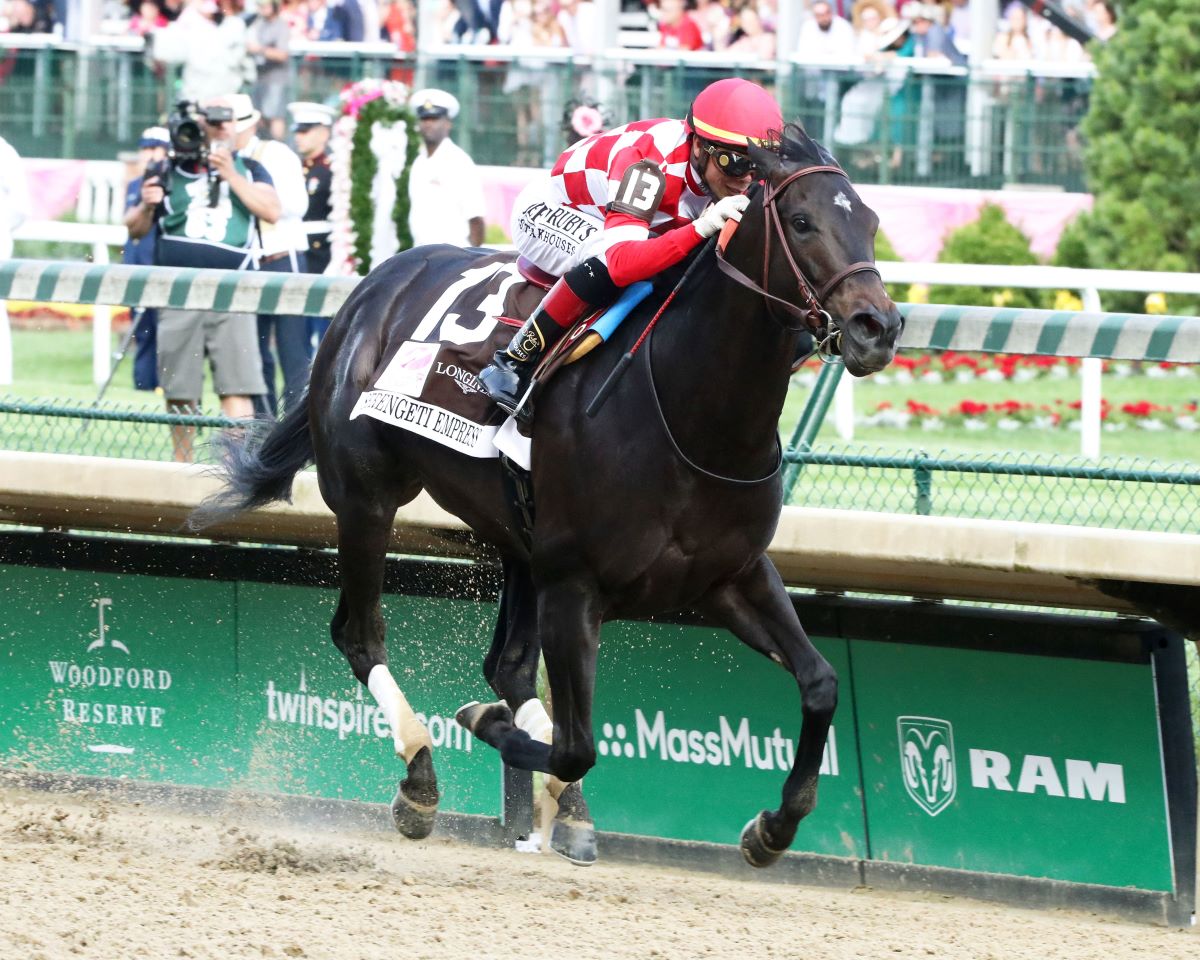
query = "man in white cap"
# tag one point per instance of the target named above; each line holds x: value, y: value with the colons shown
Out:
x: 284, y: 245
x: 312, y: 124
x: 152, y: 157
x: 444, y: 188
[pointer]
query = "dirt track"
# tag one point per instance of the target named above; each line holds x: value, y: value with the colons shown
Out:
x: 85, y: 876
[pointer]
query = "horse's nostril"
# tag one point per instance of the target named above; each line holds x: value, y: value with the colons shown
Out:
x: 868, y: 326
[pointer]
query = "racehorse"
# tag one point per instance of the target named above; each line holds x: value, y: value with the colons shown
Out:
x: 665, y: 500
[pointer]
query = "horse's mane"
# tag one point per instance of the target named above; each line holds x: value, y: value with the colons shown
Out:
x: 796, y: 146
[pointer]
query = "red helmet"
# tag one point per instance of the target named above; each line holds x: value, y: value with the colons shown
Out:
x: 735, y: 111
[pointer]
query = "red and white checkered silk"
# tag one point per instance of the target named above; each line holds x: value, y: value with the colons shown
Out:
x: 587, y: 175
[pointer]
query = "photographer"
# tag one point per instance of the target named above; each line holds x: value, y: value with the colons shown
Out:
x: 207, y: 202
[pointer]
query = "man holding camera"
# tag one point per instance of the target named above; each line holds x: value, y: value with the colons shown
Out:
x: 207, y: 202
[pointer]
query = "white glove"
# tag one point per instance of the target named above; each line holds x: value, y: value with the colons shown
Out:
x: 710, y: 222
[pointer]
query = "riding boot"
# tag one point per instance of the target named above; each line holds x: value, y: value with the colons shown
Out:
x: 507, y: 377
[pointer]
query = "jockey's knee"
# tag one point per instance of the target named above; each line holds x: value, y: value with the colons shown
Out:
x: 590, y: 281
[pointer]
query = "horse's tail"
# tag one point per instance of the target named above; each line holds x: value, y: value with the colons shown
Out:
x: 258, y: 470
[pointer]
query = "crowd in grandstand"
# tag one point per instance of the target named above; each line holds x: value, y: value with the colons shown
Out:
x: 844, y: 31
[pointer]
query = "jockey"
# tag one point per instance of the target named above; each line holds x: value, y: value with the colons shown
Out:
x: 622, y: 206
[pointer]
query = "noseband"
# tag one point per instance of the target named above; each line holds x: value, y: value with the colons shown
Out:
x: 816, y: 317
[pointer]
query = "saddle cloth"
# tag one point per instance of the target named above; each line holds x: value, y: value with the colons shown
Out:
x: 429, y: 383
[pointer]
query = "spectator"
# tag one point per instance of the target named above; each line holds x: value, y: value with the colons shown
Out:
x: 295, y: 14
x: 31, y: 16
x: 209, y: 39
x: 718, y: 26
x: 267, y: 43
x: 868, y: 19
x: 195, y: 231
x: 1013, y: 41
x: 343, y: 21
x: 152, y: 152
x: 400, y: 25
x: 444, y: 188
x: 14, y: 210
x: 149, y: 17
x: 677, y: 30
x: 1059, y: 48
x: 958, y: 26
x: 928, y: 37
x: 751, y: 38
x: 318, y: 13
x: 825, y: 37
x: 283, y: 245
x: 577, y: 18
x: 311, y: 125
x: 1104, y: 19
x: 526, y: 24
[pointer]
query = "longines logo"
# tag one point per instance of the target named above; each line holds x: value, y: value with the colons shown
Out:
x: 927, y: 759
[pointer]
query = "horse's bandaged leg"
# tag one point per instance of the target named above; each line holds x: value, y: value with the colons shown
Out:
x: 408, y: 732
x: 531, y: 717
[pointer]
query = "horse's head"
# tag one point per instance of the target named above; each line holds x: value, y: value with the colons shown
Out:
x: 819, y: 253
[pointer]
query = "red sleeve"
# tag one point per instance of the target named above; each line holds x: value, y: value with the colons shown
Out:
x: 692, y: 38
x: 633, y: 260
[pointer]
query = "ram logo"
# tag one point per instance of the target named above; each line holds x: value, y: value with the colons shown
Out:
x: 927, y: 759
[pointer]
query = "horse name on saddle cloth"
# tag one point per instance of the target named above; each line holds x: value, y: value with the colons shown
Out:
x: 430, y: 384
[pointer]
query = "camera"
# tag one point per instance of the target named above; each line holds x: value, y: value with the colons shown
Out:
x: 189, y: 144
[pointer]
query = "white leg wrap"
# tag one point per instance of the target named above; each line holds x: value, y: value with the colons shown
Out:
x: 407, y: 731
x: 531, y: 717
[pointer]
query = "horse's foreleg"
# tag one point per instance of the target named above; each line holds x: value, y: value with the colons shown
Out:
x: 758, y: 610
x: 358, y: 631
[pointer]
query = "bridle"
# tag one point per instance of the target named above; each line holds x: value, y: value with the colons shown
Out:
x: 817, y: 318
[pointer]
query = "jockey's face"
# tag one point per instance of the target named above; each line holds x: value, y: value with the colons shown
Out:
x: 719, y: 183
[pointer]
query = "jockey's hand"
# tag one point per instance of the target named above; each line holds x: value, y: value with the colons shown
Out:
x: 710, y: 222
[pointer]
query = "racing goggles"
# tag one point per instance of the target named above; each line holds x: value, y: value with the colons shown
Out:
x: 730, y: 162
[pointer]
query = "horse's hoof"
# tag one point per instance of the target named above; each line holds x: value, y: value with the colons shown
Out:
x: 754, y: 845
x: 477, y: 717
x: 416, y: 801
x: 574, y: 840
x: 412, y: 818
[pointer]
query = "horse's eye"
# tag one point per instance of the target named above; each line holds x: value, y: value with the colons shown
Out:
x: 800, y: 223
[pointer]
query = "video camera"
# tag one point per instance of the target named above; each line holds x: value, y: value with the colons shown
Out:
x: 189, y: 144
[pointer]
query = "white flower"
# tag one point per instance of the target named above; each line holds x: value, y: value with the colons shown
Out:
x: 1149, y: 423
x: 1024, y: 375
x: 882, y: 379
x: 932, y: 424
x: 1184, y: 370
x: 964, y: 376
x: 1155, y: 372
x: 931, y: 376
x: 1042, y: 423
x: 1008, y: 423
x: 1121, y: 370
x: 992, y: 376
x: 1187, y: 422
x: 903, y: 376
x: 1060, y: 371
x: 1113, y: 427
x: 805, y: 379
x: 974, y: 424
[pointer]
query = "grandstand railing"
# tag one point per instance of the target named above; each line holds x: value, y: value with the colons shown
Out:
x: 983, y: 126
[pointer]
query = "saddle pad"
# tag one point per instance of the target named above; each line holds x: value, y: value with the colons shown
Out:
x: 429, y: 383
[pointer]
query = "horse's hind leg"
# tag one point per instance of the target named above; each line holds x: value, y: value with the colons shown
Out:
x: 364, y: 530
x: 511, y: 670
x: 758, y: 610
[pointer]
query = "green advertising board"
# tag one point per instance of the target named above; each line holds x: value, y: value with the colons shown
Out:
x: 696, y: 734
x: 1009, y: 763
x: 118, y: 675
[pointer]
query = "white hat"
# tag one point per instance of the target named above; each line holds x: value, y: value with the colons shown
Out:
x: 305, y: 113
x: 431, y: 102
x: 890, y: 31
x: 154, y: 137
x: 245, y: 117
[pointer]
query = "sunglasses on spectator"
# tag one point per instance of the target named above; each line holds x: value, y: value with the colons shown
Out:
x: 730, y: 162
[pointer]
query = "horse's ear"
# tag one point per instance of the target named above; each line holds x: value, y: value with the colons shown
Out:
x: 766, y: 159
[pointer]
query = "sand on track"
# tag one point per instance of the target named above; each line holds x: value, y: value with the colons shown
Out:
x: 84, y: 875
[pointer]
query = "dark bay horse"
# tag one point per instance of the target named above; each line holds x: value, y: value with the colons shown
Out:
x: 665, y: 500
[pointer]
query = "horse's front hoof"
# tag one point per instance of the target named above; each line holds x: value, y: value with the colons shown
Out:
x: 574, y: 840
x: 755, y: 849
x: 478, y: 717
x: 415, y: 804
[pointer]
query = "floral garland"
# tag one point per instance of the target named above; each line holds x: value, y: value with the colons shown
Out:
x: 354, y: 166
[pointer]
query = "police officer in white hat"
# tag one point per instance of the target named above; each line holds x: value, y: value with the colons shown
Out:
x: 312, y: 124
x: 445, y: 189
